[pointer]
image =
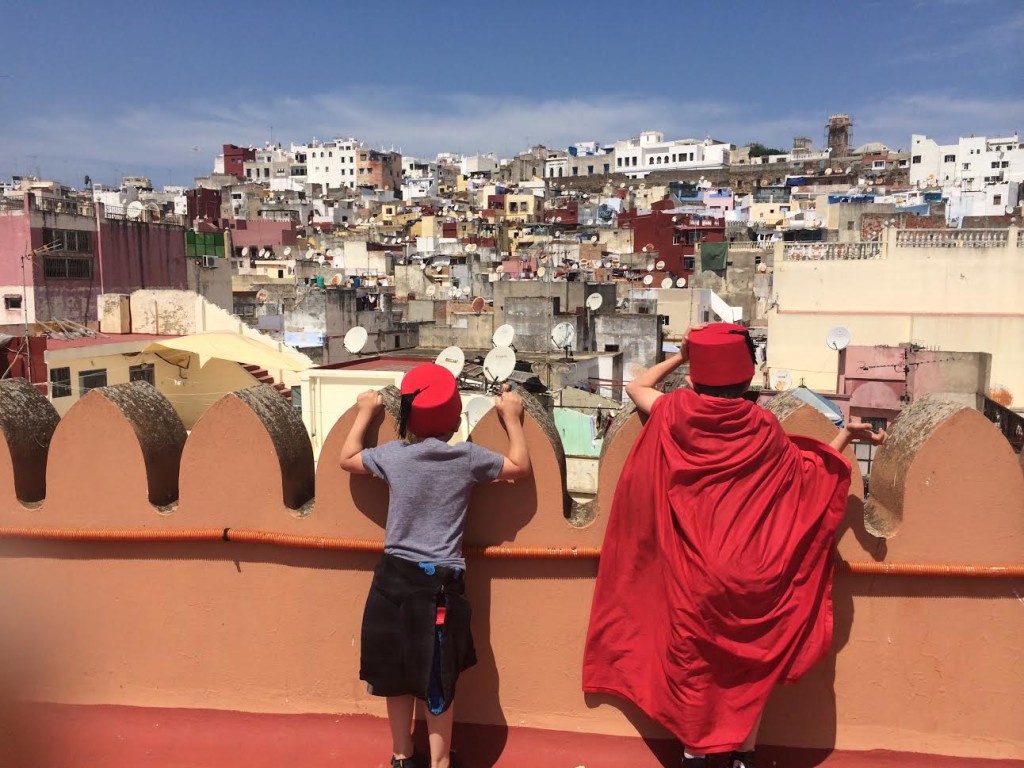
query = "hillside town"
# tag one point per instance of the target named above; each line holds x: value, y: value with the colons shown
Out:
x: 868, y: 276
x: 878, y: 286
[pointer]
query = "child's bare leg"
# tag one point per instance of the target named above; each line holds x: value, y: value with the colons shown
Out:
x: 400, y: 712
x: 751, y: 740
x: 439, y: 730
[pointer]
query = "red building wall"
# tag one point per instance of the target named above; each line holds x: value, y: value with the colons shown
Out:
x: 263, y: 232
x: 234, y: 159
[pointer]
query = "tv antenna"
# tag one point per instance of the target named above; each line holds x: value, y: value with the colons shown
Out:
x: 563, y: 337
x: 498, y: 365
x: 452, y: 358
x: 355, y: 339
x: 503, y: 336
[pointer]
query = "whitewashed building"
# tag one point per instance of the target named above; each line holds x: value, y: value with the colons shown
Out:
x: 649, y: 152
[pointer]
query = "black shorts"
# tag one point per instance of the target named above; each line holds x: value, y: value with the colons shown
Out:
x: 399, y: 629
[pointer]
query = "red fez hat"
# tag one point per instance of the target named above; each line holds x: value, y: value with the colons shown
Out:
x: 431, y: 405
x: 721, y: 354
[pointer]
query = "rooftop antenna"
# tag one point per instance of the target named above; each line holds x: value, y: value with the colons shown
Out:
x: 452, y: 358
x: 563, y: 337
x: 503, y: 336
x: 498, y: 365
x: 355, y: 340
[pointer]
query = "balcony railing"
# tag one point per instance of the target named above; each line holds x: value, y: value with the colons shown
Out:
x: 951, y: 238
x: 831, y: 251
x: 10, y: 204
x: 73, y: 207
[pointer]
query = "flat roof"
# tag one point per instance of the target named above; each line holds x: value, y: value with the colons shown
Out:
x: 95, y: 341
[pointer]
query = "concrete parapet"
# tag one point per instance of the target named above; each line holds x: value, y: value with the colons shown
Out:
x: 260, y: 627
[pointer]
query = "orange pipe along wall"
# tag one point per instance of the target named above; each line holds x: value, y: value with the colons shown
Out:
x: 920, y: 663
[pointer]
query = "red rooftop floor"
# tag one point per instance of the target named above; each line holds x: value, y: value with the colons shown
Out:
x: 116, y: 737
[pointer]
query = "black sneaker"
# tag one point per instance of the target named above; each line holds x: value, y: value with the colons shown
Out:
x: 695, y: 762
x: 405, y: 762
x: 741, y: 759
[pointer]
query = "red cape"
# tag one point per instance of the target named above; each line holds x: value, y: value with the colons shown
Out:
x: 716, y: 569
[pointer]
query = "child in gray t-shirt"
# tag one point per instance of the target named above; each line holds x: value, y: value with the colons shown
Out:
x: 417, y: 597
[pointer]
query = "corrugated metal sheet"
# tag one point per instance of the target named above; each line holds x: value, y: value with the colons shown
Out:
x: 578, y: 432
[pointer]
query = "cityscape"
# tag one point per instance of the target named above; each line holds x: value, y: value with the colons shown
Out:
x: 182, y: 363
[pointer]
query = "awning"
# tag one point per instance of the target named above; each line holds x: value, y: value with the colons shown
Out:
x: 238, y: 348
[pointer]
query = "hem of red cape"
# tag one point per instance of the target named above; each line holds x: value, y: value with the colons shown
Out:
x: 702, y: 748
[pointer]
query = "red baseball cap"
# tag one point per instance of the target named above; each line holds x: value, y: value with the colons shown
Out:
x: 721, y: 355
x: 434, y: 403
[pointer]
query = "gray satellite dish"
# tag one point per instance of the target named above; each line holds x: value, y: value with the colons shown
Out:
x: 503, y: 336
x: 838, y: 338
x: 594, y: 301
x: 355, y: 339
x: 563, y: 336
x: 452, y: 358
x: 499, y: 364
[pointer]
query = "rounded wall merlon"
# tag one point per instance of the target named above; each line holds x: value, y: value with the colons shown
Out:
x: 27, y: 423
x: 947, y: 487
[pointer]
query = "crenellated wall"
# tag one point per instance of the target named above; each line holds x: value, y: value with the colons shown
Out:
x: 146, y: 567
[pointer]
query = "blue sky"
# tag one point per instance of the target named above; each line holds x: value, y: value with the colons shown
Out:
x: 114, y: 89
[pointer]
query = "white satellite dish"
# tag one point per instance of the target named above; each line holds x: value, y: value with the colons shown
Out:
x: 476, y: 408
x: 452, y: 358
x: 245, y: 251
x: 541, y: 271
x: 135, y: 209
x: 593, y: 238
x: 431, y: 290
x: 466, y: 291
x: 667, y: 282
x: 780, y: 380
x: 648, y: 279
x: 287, y: 250
x: 594, y: 301
x: 681, y: 282
x: 503, y: 336
x: 355, y: 339
x: 263, y: 253
x: 650, y: 266
x: 471, y: 248
x: 321, y: 260
x: 838, y: 338
x: 499, y: 363
x: 660, y: 265
x: 563, y: 336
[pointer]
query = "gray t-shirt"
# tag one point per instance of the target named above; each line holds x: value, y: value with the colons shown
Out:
x: 430, y: 484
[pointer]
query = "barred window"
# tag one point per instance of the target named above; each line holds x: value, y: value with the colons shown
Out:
x: 60, y: 382
x: 143, y: 372
x: 67, y: 268
x: 72, y: 240
x: 88, y: 380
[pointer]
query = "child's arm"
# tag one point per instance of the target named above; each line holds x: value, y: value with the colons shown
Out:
x: 643, y: 389
x: 369, y: 404
x: 517, y: 463
x: 857, y: 432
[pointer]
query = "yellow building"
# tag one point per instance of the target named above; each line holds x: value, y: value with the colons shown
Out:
x: 522, y: 207
x: 956, y: 290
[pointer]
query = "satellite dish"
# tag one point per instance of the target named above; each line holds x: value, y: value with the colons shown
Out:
x: 563, y: 336
x: 310, y: 254
x: 650, y: 266
x: 135, y: 209
x: 476, y: 408
x: 500, y: 268
x: 478, y: 304
x: 499, y: 363
x: 431, y: 290
x: 660, y: 265
x: 336, y: 280
x: 648, y: 279
x: 263, y: 253
x: 262, y: 295
x: 372, y: 299
x: 287, y: 250
x: 321, y: 260
x: 648, y: 248
x: 593, y: 238
x: 355, y: 339
x: 681, y: 282
x: 594, y: 301
x: 471, y: 248
x: 454, y: 292
x: 466, y: 291
x: 838, y: 338
x: 503, y: 336
x: 828, y: 171
x: 452, y: 358
x: 667, y: 282
x: 541, y: 271
x: 245, y: 251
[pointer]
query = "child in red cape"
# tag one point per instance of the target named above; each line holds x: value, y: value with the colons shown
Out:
x: 716, y: 569
x: 415, y: 638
